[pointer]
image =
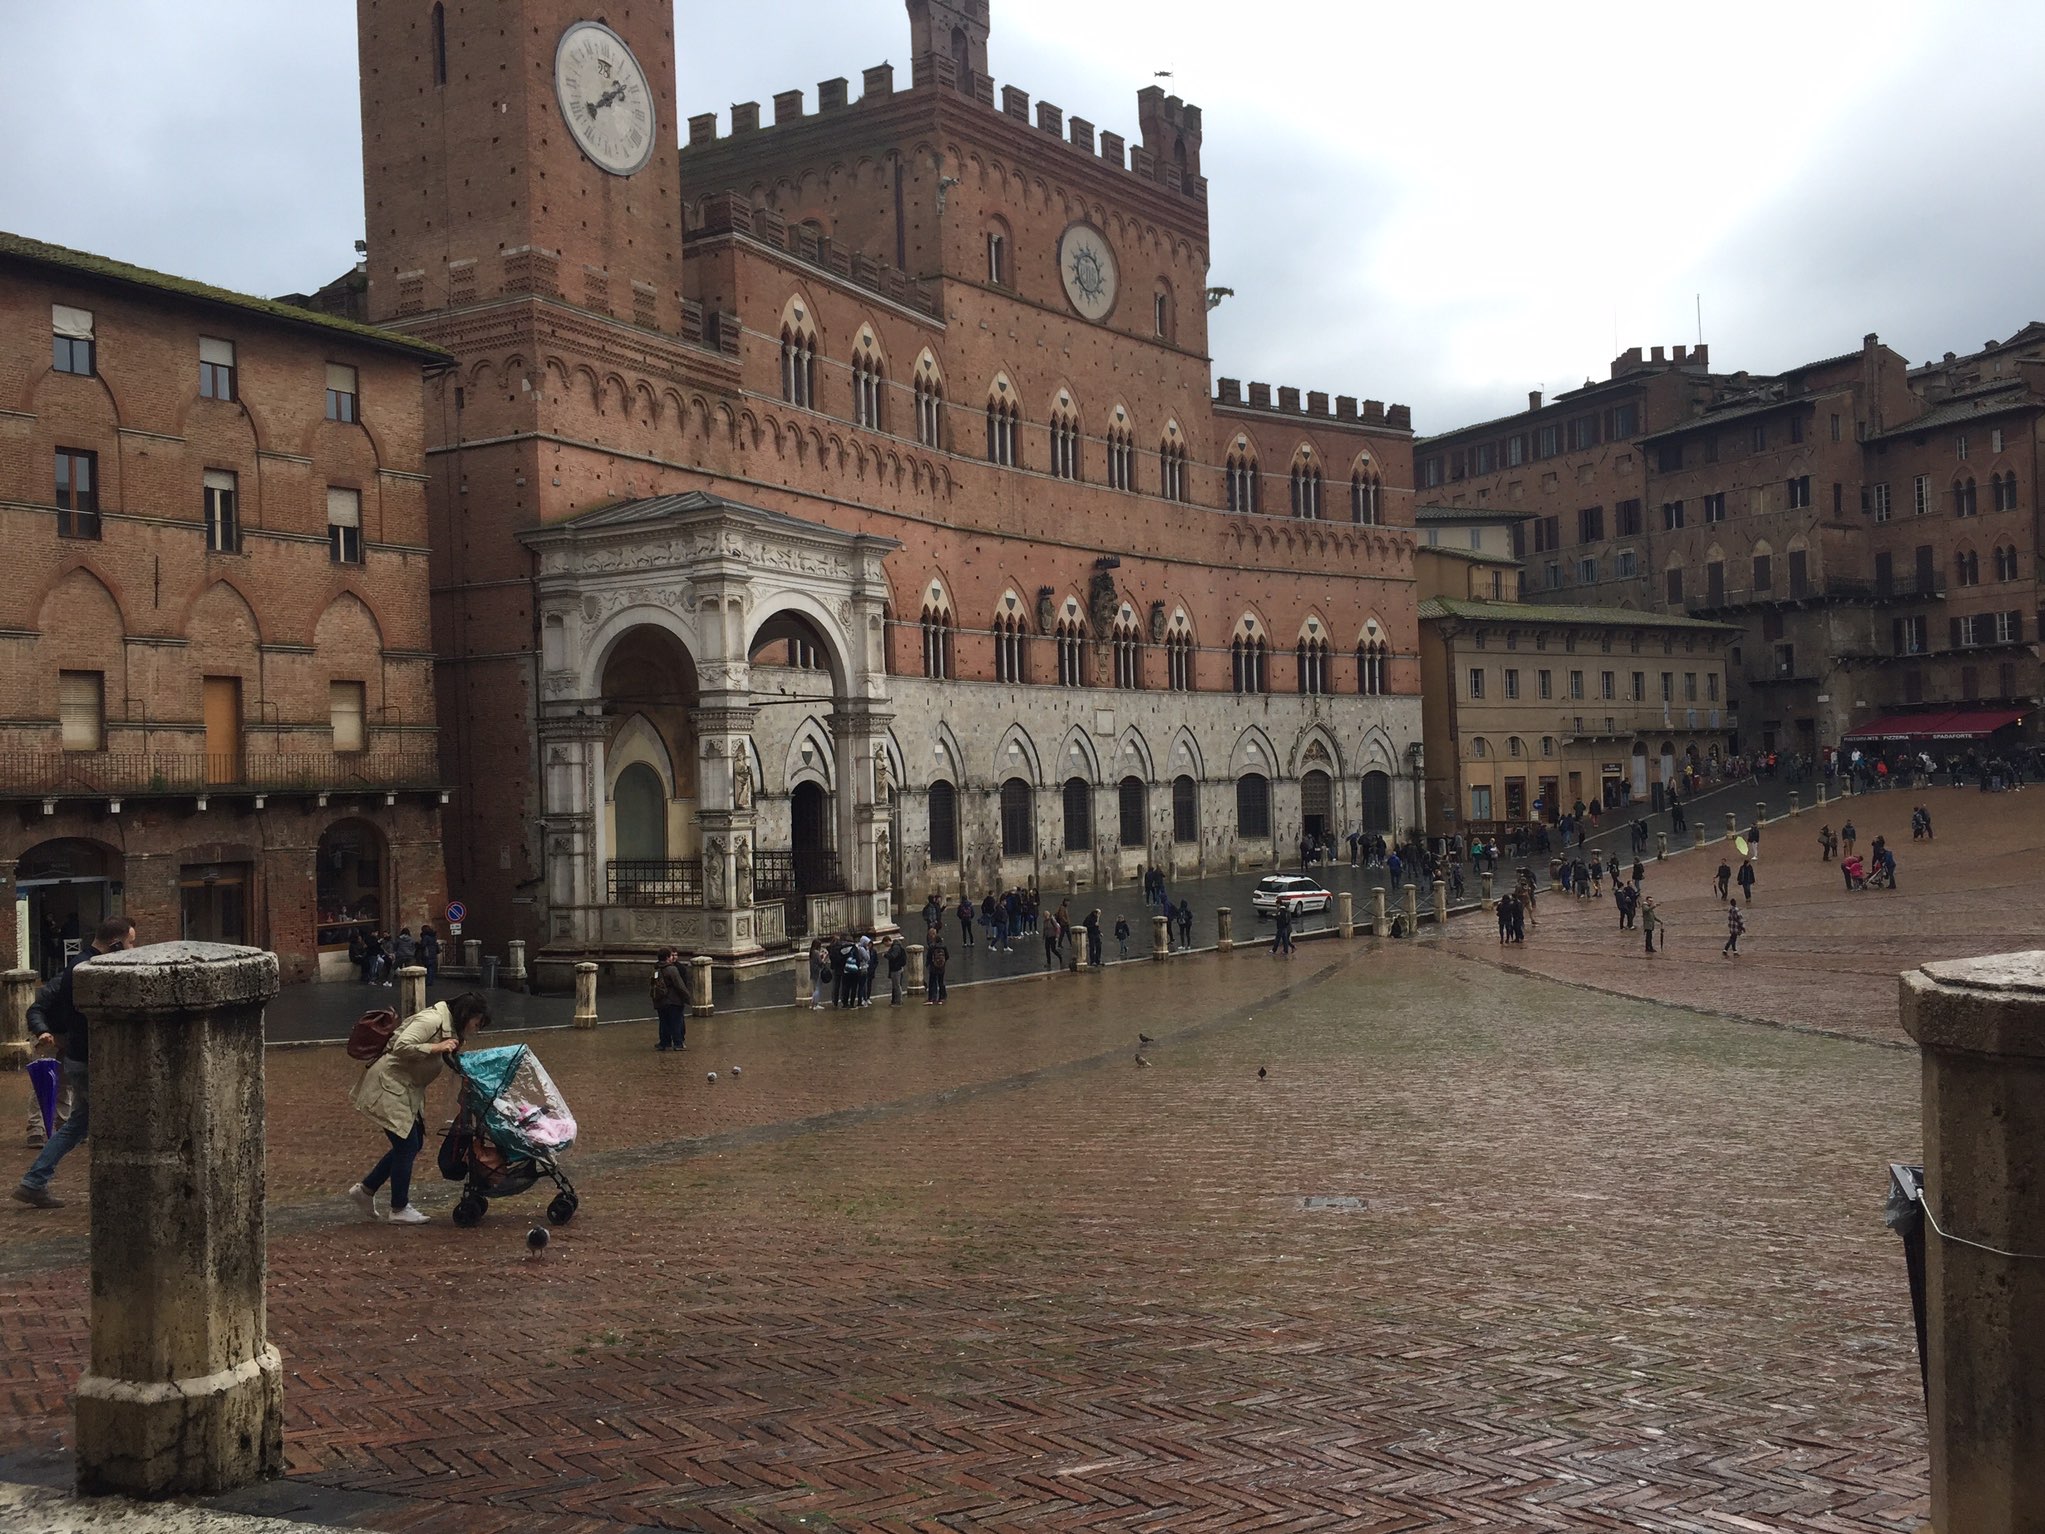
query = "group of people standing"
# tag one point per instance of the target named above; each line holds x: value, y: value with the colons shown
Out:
x: 849, y: 963
x: 378, y: 956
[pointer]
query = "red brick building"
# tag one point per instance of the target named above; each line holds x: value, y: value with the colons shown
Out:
x: 836, y: 509
x: 216, y: 706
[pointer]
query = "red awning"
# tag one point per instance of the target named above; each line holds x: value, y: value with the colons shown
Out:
x: 1951, y: 724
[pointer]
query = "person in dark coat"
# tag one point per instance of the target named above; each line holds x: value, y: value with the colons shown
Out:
x: 1746, y: 880
x: 53, y: 1019
x: 1185, y: 918
x: 429, y: 953
x: 672, y: 1003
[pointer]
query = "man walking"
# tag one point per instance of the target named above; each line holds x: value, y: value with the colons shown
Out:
x: 1747, y: 880
x: 1722, y: 881
x: 1650, y: 921
x: 53, y: 1017
x: 938, y: 957
x: 1185, y: 916
x: 671, y: 1001
x: 1735, y: 924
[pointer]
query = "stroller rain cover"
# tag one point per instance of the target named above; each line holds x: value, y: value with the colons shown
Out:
x: 523, y: 1112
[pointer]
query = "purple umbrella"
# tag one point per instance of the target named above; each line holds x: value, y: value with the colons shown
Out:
x: 42, y: 1075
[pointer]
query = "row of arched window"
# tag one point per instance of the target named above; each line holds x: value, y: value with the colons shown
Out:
x: 1967, y: 565
x: 1004, y: 444
x: 1018, y: 811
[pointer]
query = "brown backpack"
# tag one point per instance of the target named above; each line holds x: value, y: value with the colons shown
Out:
x: 372, y: 1034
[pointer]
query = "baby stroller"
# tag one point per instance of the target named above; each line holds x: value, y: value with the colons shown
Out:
x: 508, y: 1133
x: 1879, y: 878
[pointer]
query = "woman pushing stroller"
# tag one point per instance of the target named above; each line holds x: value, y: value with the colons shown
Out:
x: 392, y: 1095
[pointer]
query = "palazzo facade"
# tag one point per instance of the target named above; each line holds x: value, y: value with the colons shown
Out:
x: 830, y: 511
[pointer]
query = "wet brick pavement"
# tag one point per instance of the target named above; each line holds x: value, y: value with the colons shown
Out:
x: 1611, y: 1264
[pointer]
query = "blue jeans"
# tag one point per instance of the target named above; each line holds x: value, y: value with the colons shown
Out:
x: 674, y: 1026
x: 396, y: 1166
x: 68, y: 1134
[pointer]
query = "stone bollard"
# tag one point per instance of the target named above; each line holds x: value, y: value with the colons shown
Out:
x: 913, y: 976
x: 411, y: 990
x: 1661, y: 845
x: 1980, y: 1026
x: 17, y: 990
x: 514, y: 964
x: 1160, y: 938
x: 1409, y: 907
x: 1732, y: 823
x: 1760, y: 815
x: 1345, y: 914
x: 1817, y: 793
x: 803, y: 984
x: 184, y: 1394
x: 1796, y: 802
x: 472, y: 956
x: 700, y: 1003
x: 1484, y: 889
x: 1441, y: 902
x: 1224, y: 929
x: 1698, y: 832
x: 1380, y: 920
x: 585, y: 995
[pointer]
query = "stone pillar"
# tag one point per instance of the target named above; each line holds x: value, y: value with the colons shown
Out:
x: 1345, y: 914
x: 1409, y: 907
x: 1697, y: 832
x: 514, y: 964
x: 913, y: 976
x: 1484, y: 888
x: 803, y: 984
x: 1661, y: 845
x: 1224, y: 929
x: 585, y: 995
x: 699, y: 986
x: 472, y: 956
x: 1796, y: 802
x: 411, y: 990
x: 1160, y: 938
x: 1980, y: 1025
x: 17, y: 990
x: 184, y: 1394
x: 1732, y: 823
x: 1380, y: 919
x: 1441, y: 902
x: 1818, y: 793
x: 1760, y: 815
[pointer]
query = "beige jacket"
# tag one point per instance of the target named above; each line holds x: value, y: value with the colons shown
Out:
x: 392, y: 1091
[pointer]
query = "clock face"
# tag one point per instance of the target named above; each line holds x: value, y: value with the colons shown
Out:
x: 604, y: 97
x: 1087, y: 267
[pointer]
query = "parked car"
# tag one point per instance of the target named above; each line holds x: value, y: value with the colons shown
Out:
x: 1296, y: 893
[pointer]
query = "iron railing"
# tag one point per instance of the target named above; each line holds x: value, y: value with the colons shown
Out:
x: 49, y: 772
x: 653, y: 881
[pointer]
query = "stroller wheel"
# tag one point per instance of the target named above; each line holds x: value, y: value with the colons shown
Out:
x: 562, y: 1209
x: 470, y: 1210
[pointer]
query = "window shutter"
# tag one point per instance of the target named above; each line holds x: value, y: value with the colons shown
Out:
x: 344, y: 508
x: 81, y: 709
x: 2016, y: 627
x: 344, y: 704
x: 1956, y: 633
x: 1896, y: 635
x: 340, y: 378
x: 75, y: 323
x: 221, y: 352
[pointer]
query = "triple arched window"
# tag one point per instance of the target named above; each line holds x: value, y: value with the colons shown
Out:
x: 929, y: 406
x: 1128, y: 648
x: 1071, y: 641
x: 869, y: 390
x: 1008, y: 648
x: 1366, y: 490
x: 1250, y: 663
x: 1306, y: 487
x: 1179, y: 660
x: 1312, y: 656
x: 1004, y: 431
x: 939, y: 633
x: 2004, y: 488
x: 799, y: 365
x: 1065, y: 446
x: 1171, y: 466
x: 2006, y: 562
x: 1371, y: 656
x: 1244, y: 490
x: 1964, y: 502
x: 1967, y: 568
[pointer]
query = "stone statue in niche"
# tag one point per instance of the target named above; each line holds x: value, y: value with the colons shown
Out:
x: 741, y: 780
x: 713, y: 872
x: 742, y: 852
x: 883, y: 865
x: 882, y: 782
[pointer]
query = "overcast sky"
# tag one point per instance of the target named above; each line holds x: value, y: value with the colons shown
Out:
x: 1445, y: 204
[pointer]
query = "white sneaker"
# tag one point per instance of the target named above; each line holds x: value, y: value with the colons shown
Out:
x: 365, y: 1201
x: 409, y: 1215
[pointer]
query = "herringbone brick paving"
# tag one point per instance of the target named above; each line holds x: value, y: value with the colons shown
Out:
x: 1618, y: 1266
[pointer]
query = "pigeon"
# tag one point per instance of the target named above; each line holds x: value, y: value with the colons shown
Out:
x: 1261, y: 1073
x: 1144, y: 1038
x: 536, y: 1238
x: 713, y: 1078
x: 736, y: 1073
x: 1142, y: 1064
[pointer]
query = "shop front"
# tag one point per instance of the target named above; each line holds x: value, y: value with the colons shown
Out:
x: 351, y: 889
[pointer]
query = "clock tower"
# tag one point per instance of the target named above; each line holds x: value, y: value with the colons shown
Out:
x: 517, y: 148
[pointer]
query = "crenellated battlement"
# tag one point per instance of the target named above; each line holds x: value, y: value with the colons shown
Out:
x: 1346, y: 411
x: 1632, y: 361
x: 1167, y: 153
x: 728, y: 213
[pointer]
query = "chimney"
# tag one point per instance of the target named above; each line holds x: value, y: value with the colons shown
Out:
x: 1658, y: 355
x: 1533, y: 399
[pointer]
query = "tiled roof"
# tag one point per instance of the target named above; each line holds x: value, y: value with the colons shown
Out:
x: 104, y: 269
x: 1560, y: 612
x: 1729, y: 414
x: 1424, y: 514
x: 1474, y: 556
x: 2004, y: 395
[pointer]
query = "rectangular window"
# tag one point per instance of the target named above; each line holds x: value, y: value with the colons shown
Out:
x: 1583, y: 433
x: 1672, y: 515
x: 1551, y: 441
x: 1995, y: 440
x: 1512, y: 682
x: 1758, y: 439
x: 1625, y: 564
x: 71, y: 340
x: 81, y: 709
x: 1608, y: 688
x: 342, y: 403
x: 1674, y: 577
x: 1835, y: 426
x: 1587, y: 572
x: 1764, y: 573
x: 1711, y: 686
x: 1799, y: 490
x: 1796, y: 428
x: 997, y: 260
x: 344, y: 526
x: 223, y: 522
x: 216, y: 368
x: 1487, y: 455
x: 77, y: 493
x: 2009, y: 628
x: 1881, y: 503
x: 1625, y: 421
x: 1711, y: 449
x: 1476, y: 681
x: 1960, y: 445
x: 1576, y: 685
x: 1480, y: 801
x: 1590, y: 524
x: 1626, y: 519
x: 1430, y: 475
x: 1923, y: 488
x: 1669, y: 457
x: 1640, y: 687
x: 1714, y: 507
x: 1515, y: 452
x: 345, y: 710
x: 1785, y: 660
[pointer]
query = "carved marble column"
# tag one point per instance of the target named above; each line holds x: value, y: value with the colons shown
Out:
x: 865, y: 778
x: 727, y: 788
x: 571, y: 818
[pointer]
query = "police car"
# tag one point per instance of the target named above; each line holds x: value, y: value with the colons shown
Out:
x: 1294, y: 893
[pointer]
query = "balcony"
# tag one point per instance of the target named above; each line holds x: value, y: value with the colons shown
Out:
x: 1917, y: 588
x: 56, y: 774
x: 1627, y: 721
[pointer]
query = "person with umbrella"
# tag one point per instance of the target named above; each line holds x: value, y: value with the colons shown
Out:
x: 52, y: 1017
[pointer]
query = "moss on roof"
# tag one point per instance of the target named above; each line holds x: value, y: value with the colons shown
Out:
x: 84, y: 264
x: 1472, y: 608
x: 1470, y: 514
x: 1474, y: 556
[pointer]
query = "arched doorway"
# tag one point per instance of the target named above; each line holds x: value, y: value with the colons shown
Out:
x: 72, y: 886
x: 1316, y: 805
x: 1377, y: 802
x: 639, y: 807
x: 812, y: 840
x: 352, y: 889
